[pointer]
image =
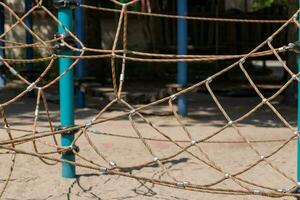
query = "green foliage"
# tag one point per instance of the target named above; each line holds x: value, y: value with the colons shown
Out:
x: 260, y: 4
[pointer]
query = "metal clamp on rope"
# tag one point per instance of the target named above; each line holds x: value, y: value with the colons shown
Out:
x: 132, y: 112
x: 112, y: 164
x: 103, y: 169
x: 64, y: 42
x: 13, y: 71
x: 31, y: 87
x: 70, y: 150
x: 89, y: 124
x: 182, y: 183
x: 72, y: 4
x: 294, y: 47
x: 173, y: 97
x: 64, y: 130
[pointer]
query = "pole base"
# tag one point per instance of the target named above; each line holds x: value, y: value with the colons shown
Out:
x: 68, y: 170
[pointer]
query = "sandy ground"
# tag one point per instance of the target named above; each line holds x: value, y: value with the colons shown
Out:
x: 34, y: 180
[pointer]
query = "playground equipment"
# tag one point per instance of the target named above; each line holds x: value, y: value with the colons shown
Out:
x: 66, y: 87
x: 298, y: 155
x: 80, y: 72
x: 182, y: 50
x: 69, y: 55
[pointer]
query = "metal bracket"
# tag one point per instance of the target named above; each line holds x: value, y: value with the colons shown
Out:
x: 61, y: 46
x: 60, y: 128
x: 69, y: 150
x: 72, y: 4
x: 294, y: 47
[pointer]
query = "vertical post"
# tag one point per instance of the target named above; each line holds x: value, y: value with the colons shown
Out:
x: 182, y: 50
x: 217, y: 32
x: 66, y: 91
x: 80, y: 70
x: 29, y: 38
x: 298, y: 138
x: 2, y: 23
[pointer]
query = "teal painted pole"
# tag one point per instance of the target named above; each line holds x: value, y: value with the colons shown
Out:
x: 298, y: 139
x: 66, y: 90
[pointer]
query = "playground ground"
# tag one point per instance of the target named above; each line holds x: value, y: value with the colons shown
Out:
x: 34, y: 180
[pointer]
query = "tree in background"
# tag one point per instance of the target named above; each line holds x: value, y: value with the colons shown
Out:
x: 259, y: 4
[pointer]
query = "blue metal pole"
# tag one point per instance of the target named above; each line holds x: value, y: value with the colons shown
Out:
x: 66, y: 90
x: 80, y: 70
x: 182, y: 50
x: 2, y: 53
x: 29, y: 40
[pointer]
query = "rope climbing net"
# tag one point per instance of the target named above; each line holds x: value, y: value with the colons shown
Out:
x: 191, y: 147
